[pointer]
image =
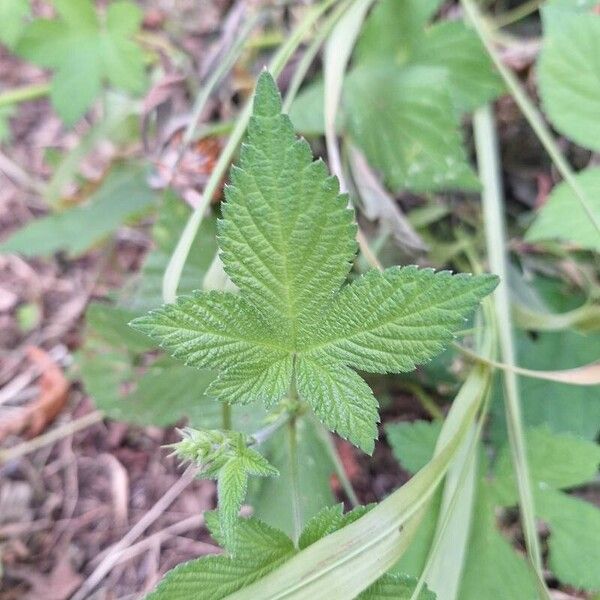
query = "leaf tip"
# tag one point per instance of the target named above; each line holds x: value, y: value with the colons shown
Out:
x: 267, y: 99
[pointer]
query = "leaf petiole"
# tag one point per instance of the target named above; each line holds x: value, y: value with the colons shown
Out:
x: 294, y: 477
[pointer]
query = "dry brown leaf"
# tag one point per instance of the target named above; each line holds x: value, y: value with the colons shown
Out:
x: 53, y: 392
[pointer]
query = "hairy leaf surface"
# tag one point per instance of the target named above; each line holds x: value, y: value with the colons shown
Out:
x: 288, y: 241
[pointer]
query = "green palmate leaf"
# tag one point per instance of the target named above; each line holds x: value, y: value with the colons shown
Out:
x: 394, y: 29
x: 413, y: 443
x: 327, y: 521
x: 162, y: 393
x: 451, y: 45
x: 395, y: 587
x: 405, y: 124
x: 340, y: 398
x: 12, y: 20
x: 123, y: 195
x: 85, y: 50
x: 574, y: 534
x: 562, y: 207
x: 555, y: 461
x: 397, y: 34
x: 493, y: 569
x: 569, y: 73
x: 390, y: 321
x: 288, y: 240
x: 344, y: 563
x: 227, y: 457
x: 401, y: 104
x: 259, y: 549
x: 560, y: 461
x: 255, y: 550
x: 412, y: 81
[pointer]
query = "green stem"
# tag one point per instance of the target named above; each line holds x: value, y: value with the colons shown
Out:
x: 266, y: 40
x: 337, y: 464
x: 24, y: 94
x: 226, y: 416
x: 294, y: 477
x: 214, y: 129
x: 225, y: 65
x: 518, y: 13
x: 529, y: 110
x: 427, y: 402
x: 492, y: 196
x: 262, y: 435
x: 309, y: 55
x: 178, y: 259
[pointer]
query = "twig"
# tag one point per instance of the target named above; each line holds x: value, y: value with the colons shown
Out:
x: 178, y: 528
x: 337, y: 464
x: 114, y: 553
x: 58, y: 354
x: 50, y: 437
x: 16, y: 173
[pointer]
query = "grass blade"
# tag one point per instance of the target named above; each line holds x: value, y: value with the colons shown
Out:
x: 492, y: 198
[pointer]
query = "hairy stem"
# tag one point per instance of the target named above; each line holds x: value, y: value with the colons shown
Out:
x: 294, y: 477
x: 529, y: 110
x: 492, y: 197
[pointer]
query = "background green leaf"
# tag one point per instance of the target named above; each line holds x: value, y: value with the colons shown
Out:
x: 569, y: 76
x: 146, y: 292
x: 12, y: 21
x: 404, y: 122
x: 123, y: 195
x: 85, y: 52
x: 562, y: 207
x: 563, y: 408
